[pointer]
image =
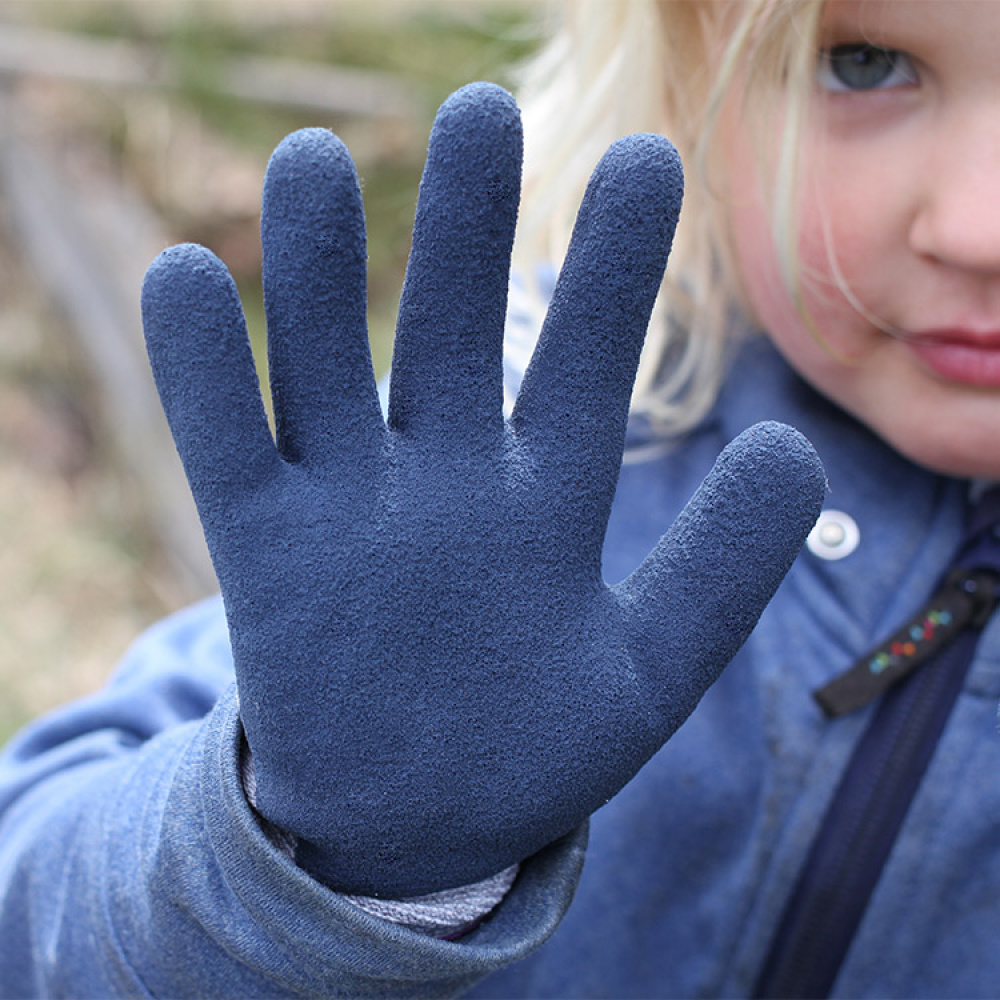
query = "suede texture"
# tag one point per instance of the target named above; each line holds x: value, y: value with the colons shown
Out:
x: 434, y: 680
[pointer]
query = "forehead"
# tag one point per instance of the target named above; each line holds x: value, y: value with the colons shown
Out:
x: 961, y: 30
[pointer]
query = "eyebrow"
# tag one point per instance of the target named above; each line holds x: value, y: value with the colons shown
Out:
x: 883, y: 23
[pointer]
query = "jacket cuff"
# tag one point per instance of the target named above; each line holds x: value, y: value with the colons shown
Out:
x: 318, y: 941
x: 448, y: 914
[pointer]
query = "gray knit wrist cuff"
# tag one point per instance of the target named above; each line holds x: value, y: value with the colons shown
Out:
x: 447, y: 914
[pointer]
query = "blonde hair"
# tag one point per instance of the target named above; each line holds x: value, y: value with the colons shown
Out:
x: 614, y: 67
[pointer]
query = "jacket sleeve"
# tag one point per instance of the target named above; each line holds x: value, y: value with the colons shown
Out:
x: 131, y: 863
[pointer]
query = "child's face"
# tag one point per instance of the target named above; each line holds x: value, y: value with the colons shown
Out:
x: 900, y: 181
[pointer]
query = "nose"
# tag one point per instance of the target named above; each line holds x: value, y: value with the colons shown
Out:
x: 957, y: 222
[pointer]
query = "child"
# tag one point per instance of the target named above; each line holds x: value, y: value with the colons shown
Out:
x: 434, y: 689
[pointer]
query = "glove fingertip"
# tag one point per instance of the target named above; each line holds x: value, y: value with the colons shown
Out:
x: 649, y: 167
x: 179, y: 272
x: 748, y: 520
x: 308, y: 143
x: 488, y: 100
x: 300, y: 172
x: 780, y: 463
x: 475, y: 149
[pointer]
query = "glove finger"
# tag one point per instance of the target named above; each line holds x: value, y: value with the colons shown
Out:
x: 204, y: 370
x: 314, y: 273
x: 447, y: 374
x: 573, y: 403
x: 698, y: 595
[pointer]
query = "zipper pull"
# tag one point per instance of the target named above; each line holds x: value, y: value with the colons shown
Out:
x: 966, y: 600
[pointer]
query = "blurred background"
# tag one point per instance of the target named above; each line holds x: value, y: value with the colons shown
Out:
x: 126, y: 126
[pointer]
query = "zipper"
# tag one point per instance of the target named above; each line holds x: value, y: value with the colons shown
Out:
x: 870, y: 803
x: 966, y: 599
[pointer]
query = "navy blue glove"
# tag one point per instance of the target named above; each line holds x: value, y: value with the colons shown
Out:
x: 434, y: 680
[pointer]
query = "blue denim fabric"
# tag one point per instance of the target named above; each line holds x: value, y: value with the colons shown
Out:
x: 136, y: 867
x: 687, y: 869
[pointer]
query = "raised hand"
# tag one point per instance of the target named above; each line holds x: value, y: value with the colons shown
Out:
x: 433, y: 678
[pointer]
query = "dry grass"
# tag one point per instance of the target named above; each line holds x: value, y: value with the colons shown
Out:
x: 79, y: 575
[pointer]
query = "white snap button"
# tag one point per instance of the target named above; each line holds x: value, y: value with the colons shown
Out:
x: 834, y: 535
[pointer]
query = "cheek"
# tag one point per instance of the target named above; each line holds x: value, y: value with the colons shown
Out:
x: 755, y: 255
x: 764, y: 287
x: 834, y: 251
x: 827, y: 348
x: 838, y: 248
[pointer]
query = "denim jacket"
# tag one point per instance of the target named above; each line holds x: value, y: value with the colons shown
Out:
x: 131, y: 864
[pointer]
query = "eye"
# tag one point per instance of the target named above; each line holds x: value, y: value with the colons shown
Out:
x: 864, y: 67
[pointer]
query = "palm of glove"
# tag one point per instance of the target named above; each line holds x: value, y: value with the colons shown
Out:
x: 434, y: 680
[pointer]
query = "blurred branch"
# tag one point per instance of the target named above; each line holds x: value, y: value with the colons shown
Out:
x: 265, y: 80
x: 89, y: 243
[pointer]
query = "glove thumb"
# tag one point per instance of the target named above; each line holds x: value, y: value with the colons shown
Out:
x: 697, y: 596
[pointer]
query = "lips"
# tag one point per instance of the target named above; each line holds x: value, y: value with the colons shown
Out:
x: 959, y: 355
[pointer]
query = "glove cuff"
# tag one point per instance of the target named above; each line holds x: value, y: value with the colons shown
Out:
x: 448, y: 914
